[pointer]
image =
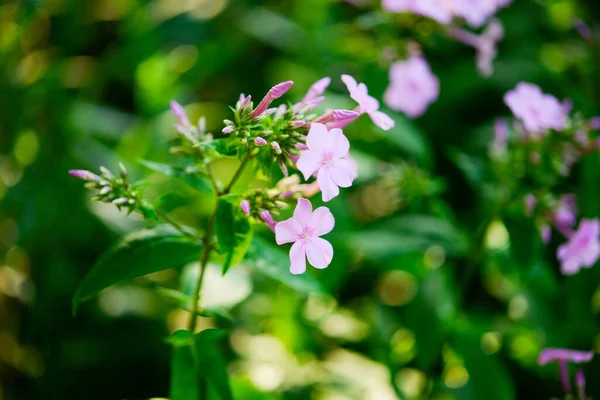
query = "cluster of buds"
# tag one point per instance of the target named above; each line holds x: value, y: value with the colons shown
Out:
x: 114, y: 189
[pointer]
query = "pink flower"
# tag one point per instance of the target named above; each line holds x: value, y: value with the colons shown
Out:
x: 582, y: 249
x: 412, y: 87
x: 317, y: 89
x: 439, y: 10
x: 565, y: 214
x: 245, y: 206
x: 564, y: 356
x: 475, y: 12
x: 327, y: 156
x: 367, y: 104
x: 304, y: 229
x: 537, y: 110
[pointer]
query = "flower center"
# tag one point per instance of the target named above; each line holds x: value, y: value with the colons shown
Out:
x: 327, y: 157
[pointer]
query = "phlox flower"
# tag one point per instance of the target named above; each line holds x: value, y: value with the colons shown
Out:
x: 565, y: 215
x: 304, y: 229
x: 563, y: 357
x: 537, y: 110
x: 582, y: 249
x: 412, y: 87
x: 326, y: 155
x: 367, y: 104
x: 475, y: 12
x: 439, y: 10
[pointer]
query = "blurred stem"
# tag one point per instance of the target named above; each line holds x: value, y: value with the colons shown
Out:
x: 207, y: 240
x: 211, y: 175
x: 175, y: 224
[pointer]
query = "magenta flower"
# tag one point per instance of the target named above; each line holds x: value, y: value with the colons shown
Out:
x: 245, y: 206
x: 582, y: 249
x: 439, y: 10
x: 412, y: 87
x: 367, y: 104
x: 537, y: 110
x: 304, y: 229
x: 326, y: 155
x: 274, y: 93
x: 563, y: 357
x: 565, y: 215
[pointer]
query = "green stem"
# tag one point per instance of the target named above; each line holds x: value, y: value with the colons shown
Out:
x: 175, y: 224
x: 208, y: 245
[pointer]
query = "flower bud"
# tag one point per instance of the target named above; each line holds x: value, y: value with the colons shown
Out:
x: 180, y: 114
x: 341, y: 115
x: 258, y: 141
x: 275, y: 146
x: 123, y: 171
x: 85, y: 175
x: 266, y: 216
x: 298, y: 124
x: 105, y: 190
x: 580, y: 382
x: 274, y: 93
x: 245, y: 206
x: 227, y: 130
x: 120, y: 201
x: 595, y: 123
x: 202, y: 125
x: 106, y: 173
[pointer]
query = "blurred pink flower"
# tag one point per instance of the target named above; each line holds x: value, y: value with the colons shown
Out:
x: 563, y: 357
x: 439, y: 10
x: 304, y: 229
x: 366, y: 103
x: 582, y: 249
x: 537, y: 110
x: 326, y: 155
x: 564, y: 216
x: 475, y: 12
x: 412, y: 87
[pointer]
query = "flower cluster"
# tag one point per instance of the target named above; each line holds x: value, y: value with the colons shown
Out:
x: 474, y: 12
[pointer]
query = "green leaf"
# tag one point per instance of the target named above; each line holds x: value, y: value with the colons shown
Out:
x: 138, y: 254
x: 525, y: 242
x: 196, y: 361
x: 193, y: 177
x: 223, y: 147
x: 275, y: 263
x: 233, y: 230
x: 170, y: 202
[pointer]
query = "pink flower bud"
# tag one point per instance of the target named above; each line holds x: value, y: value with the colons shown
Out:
x: 120, y: 201
x: 245, y: 206
x: 275, y: 146
x: 595, y: 123
x: 85, y: 175
x: 260, y: 141
x: 580, y: 382
x: 227, y: 129
x: 180, y: 114
x: 266, y: 216
x: 341, y: 115
x: 298, y: 124
x: 500, y: 134
x: 279, y: 90
x: 546, y: 233
x: 317, y: 89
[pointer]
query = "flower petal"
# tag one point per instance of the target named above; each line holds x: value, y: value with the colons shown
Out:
x: 555, y: 354
x: 319, y: 252
x: 287, y: 231
x: 342, y: 172
x: 303, y: 212
x: 350, y: 82
x: 382, y: 120
x: 322, y: 221
x: 298, y: 258
x: 326, y: 184
x: 308, y: 163
x: 316, y: 136
x: 338, y: 142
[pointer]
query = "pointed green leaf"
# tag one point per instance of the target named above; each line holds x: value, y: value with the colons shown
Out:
x: 170, y: 202
x: 211, y: 364
x: 138, y: 254
x: 192, y: 176
x: 233, y: 230
x: 185, y: 380
x: 275, y: 263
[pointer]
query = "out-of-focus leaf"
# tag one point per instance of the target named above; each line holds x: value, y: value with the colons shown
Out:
x: 170, y: 201
x: 192, y: 176
x: 138, y: 254
x: 488, y: 378
x: 408, y: 138
x: 410, y: 233
x: 233, y: 230
x: 525, y: 242
x: 196, y: 361
x: 222, y: 147
x: 275, y: 263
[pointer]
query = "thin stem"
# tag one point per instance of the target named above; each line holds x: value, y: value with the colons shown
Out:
x: 564, y: 376
x: 213, y: 181
x: 174, y: 224
x: 237, y: 174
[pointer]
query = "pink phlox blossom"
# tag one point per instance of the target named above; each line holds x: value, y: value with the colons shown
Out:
x: 412, y: 87
x: 439, y: 10
x: 326, y: 155
x: 565, y: 215
x: 537, y: 110
x: 582, y: 249
x: 367, y: 104
x: 304, y: 229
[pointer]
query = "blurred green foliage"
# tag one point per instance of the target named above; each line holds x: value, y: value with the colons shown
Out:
x: 434, y: 287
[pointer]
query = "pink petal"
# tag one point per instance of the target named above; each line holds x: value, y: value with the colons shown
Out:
x: 287, y: 231
x: 316, y: 136
x: 350, y: 82
x: 308, y: 163
x: 342, y: 172
x: 337, y: 142
x: 303, y: 212
x: 322, y: 221
x: 298, y: 258
x: 382, y: 120
x: 319, y: 252
x: 326, y: 184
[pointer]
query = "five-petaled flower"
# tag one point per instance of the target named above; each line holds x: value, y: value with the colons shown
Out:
x: 367, y: 104
x: 327, y: 154
x: 304, y: 229
x: 537, y: 110
x: 582, y: 249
